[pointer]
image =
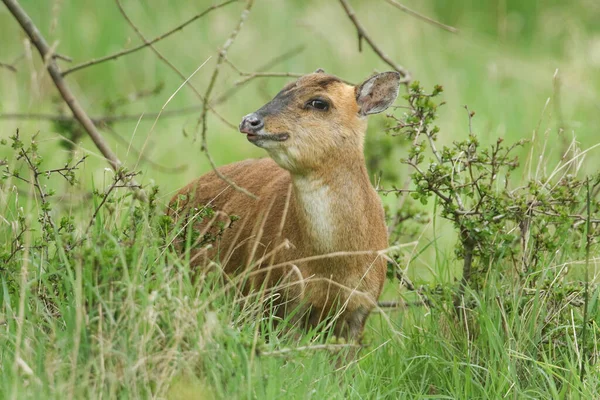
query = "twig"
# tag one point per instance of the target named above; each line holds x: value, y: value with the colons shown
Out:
x: 404, y: 280
x: 62, y: 57
x: 170, y: 64
x: 405, y: 190
x: 103, y: 119
x: 248, y: 76
x: 588, y: 242
x: 9, y: 67
x: 55, y: 73
x: 422, y: 17
x: 146, y: 43
x: 471, y: 114
x: 263, y: 68
x: 328, y: 347
x: 362, y: 33
x: 66, y: 171
x: 209, y: 89
x: 105, y: 122
x: 47, y: 219
x: 142, y: 157
x: 123, y: 178
x: 401, y: 304
x: 469, y: 247
x: 281, y: 58
x: 168, y: 101
x: 16, y: 244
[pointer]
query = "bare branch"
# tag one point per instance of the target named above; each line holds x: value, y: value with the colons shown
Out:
x: 394, y: 304
x: 146, y: 43
x: 248, y: 76
x: 471, y: 114
x: 422, y: 17
x: 170, y: 65
x: 104, y: 119
x: 118, y: 182
x: 269, y: 64
x: 281, y: 58
x: 328, y: 347
x: 206, y: 105
x: 9, y: 67
x: 47, y: 219
x: 105, y: 123
x: 62, y: 57
x: 55, y: 73
x: 64, y: 171
x: 209, y: 89
x: 142, y: 157
x: 362, y: 33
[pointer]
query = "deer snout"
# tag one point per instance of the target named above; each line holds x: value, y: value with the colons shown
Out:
x: 252, y: 124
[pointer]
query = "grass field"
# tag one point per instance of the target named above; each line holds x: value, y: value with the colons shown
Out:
x: 117, y: 316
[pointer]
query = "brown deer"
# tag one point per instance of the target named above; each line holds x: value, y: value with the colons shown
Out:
x: 316, y: 231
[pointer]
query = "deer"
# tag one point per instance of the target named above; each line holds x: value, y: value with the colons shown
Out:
x: 315, y: 234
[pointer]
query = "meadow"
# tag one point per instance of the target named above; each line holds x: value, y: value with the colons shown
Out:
x: 95, y: 304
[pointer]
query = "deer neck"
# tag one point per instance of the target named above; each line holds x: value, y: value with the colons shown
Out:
x: 330, y: 202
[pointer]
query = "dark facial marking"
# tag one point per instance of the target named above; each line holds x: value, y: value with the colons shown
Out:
x: 325, y: 82
x: 279, y: 102
x: 295, y: 90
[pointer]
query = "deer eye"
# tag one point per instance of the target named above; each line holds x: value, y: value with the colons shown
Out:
x: 318, y: 104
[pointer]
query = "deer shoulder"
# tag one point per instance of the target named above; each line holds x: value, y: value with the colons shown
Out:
x: 316, y: 232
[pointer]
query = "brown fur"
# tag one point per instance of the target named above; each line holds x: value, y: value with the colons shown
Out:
x: 314, y: 193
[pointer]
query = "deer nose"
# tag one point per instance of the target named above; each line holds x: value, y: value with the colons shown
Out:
x: 251, y: 124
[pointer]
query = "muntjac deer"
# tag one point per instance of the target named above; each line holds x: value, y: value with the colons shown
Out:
x: 316, y: 231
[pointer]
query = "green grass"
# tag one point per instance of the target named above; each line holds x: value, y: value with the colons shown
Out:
x: 120, y: 316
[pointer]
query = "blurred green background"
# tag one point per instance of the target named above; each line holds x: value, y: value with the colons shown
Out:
x: 502, y: 64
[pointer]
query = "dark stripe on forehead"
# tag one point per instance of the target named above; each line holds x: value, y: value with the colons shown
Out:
x: 324, y: 83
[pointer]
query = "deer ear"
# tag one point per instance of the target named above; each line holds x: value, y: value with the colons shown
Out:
x: 378, y: 92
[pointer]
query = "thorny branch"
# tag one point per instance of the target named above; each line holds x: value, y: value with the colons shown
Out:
x: 146, y: 43
x: 55, y: 73
x: 362, y: 34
